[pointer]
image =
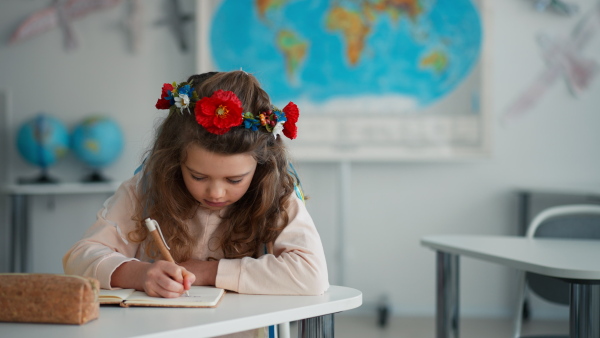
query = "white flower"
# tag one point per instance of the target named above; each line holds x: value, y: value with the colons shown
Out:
x: 278, y: 129
x: 182, y: 102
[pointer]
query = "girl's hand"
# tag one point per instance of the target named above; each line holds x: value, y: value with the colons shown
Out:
x: 168, y: 280
x: 158, y: 279
x: 205, y: 271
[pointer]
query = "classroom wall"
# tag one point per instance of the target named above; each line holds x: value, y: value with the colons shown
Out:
x: 391, y: 205
x: 102, y: 76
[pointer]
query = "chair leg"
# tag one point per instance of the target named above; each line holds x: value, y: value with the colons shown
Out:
x: 520, y: 295
x: 526, y: 310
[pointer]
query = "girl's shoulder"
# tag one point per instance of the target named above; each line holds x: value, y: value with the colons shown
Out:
x: 295, y: 203
x: 130, y: 186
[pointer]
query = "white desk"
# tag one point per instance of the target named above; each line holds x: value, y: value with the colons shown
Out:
x: 575, y: 261
x: 19, y: 199
x: 235, y: 313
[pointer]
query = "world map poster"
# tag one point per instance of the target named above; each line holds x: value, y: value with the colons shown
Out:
x: 374, y: 79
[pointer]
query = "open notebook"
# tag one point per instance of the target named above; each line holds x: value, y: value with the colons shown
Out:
x: 200, y: 296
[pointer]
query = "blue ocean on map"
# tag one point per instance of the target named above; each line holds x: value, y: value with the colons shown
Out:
x: 321, y: 51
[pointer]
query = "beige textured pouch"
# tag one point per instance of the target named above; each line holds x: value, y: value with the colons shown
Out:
x: 48, y: 298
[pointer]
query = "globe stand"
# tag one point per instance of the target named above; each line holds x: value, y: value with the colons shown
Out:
x: 95, y: 177
x: 43, y: 178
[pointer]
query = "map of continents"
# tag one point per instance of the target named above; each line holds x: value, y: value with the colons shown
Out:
x: 406, y: 53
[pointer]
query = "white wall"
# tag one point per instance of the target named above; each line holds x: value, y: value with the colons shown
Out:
x: 391, y: 205
x: 102, y: 76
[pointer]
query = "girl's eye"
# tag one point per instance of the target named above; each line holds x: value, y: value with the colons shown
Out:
x: 234, y: 181
x: 197, y: 178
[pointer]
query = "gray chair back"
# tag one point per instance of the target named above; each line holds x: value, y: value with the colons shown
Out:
x: 583, y: 226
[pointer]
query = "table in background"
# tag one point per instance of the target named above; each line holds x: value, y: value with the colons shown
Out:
x: 235, y: 313
x: 19, y: 211
x: 573, y: 260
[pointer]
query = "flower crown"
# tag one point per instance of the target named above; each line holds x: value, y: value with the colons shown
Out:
x: 223, y: 110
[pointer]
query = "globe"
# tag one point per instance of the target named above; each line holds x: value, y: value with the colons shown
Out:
x: 98, y: 142
x: 42, y: 141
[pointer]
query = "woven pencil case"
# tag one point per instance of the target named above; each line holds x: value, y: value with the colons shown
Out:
x: 48, y: 298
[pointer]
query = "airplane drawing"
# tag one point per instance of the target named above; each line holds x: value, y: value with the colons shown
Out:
x: 60, y: 13
x: 176, y: 19
x: 556, y: 6
x: 564, y: 59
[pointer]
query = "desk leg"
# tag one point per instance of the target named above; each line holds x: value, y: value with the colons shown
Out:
x: 447, y: 296
x: 316, y: 327
x: 584, y: 321
x: 19, y: 233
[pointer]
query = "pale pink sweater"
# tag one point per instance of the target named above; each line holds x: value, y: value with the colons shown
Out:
x: 297, y: 266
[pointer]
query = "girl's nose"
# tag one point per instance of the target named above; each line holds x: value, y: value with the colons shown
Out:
x: 215, y: 192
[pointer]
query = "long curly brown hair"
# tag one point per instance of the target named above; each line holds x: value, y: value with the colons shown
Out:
x: 254, y: 220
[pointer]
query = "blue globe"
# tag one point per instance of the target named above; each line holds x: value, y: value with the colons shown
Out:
x: 43, y: 140
x: 97, y: 141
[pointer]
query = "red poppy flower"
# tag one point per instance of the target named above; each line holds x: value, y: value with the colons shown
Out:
x: 164, y: 103
x: 291, y: 114
x: 219, y: 112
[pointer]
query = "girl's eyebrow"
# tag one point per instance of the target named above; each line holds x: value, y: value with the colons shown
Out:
x: 201, y: 174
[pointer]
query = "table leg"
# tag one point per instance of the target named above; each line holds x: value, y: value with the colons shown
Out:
x: 316, y: 327
x: 19, y: 234
x: 12, y: 243
x: 584, y: 321
x: 447, y: 306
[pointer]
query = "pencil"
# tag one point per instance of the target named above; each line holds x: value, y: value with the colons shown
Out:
x: 154, y: 229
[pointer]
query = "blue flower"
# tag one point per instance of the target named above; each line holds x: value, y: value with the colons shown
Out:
x: 250, y: 122
x: 280, y: 115
x: 170, y: 97
x: 185, y: 90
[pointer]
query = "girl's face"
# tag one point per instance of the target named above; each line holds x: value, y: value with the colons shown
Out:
x: 216, y: 180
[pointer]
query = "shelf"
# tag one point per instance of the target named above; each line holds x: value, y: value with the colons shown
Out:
x: 60, y: 188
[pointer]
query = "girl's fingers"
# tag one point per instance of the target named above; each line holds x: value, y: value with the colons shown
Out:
x: 181, y: 275
x: 175, y: 272
x: 164, y: 287
x: 165, y: 279
x: 157, y: 291
x: 169, y: 293
x: 188, y: 279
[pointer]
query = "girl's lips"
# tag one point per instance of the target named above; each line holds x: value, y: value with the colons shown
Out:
x: 215, y: 204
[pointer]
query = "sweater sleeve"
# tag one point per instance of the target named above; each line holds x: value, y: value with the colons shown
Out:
x: 105, y: 246
x: 297, y: 266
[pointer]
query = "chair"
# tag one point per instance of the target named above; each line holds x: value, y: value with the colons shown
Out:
x: 569, y: 221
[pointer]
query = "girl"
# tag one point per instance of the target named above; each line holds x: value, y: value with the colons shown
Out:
x: 217, y: 180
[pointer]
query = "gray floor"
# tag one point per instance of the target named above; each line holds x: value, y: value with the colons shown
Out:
x: 347, y: 326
